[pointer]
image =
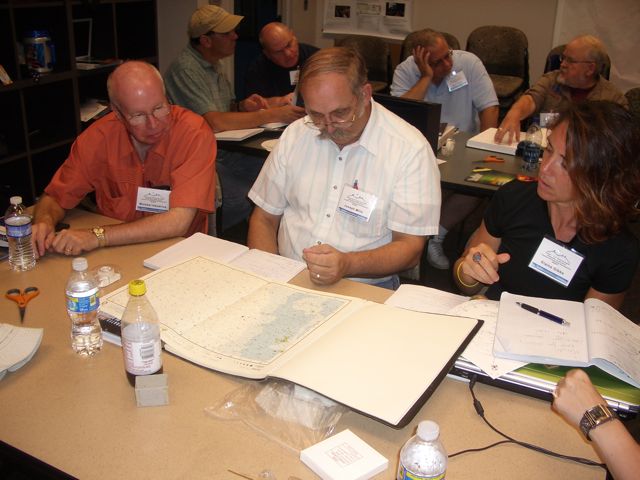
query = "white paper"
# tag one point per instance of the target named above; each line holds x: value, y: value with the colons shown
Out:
x: 480, y: 349
x: 238, y: 135
x: 17, y: 346
x: 269, y: 265
x: 424, y: 299
x: 529, y: 337
x: 197, y: 244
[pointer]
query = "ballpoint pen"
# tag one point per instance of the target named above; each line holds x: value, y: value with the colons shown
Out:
x: 543, y: 314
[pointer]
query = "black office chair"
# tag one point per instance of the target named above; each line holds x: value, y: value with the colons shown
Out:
x: 553, y: 61
x: 505, y: 54
x: 377, y: 58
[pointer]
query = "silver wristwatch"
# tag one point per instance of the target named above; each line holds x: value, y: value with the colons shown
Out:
x: 595, y: 416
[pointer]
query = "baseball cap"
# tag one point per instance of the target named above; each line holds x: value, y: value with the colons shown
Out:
x: 212, y: 18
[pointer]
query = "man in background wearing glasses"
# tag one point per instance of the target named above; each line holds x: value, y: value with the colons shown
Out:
x: 460, y: 83
x: 577, y: 79
x: 196, y: 81
x: 351, y: 189
x: 151, y: 165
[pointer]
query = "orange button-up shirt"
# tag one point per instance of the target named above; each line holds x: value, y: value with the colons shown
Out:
x: 104, y: 160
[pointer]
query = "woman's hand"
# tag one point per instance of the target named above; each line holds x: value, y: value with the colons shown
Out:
x: 481, y: 264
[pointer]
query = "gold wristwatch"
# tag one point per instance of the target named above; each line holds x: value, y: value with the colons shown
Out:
x: 595, y: 416
x: 99, y: 233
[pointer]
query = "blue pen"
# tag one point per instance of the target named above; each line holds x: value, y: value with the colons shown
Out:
x: 543, y: 314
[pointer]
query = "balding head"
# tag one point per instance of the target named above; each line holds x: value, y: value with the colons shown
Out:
x: 592, y: 49
x: 279, y: 44
x: 137, y: 96
x: 133, y: 78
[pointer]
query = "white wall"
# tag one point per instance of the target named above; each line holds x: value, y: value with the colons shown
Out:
x: 614, y: 21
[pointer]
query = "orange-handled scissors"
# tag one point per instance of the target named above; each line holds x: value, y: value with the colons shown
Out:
x: 22, y: 298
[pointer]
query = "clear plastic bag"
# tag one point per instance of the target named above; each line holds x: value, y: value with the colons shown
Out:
x: 284, y: 412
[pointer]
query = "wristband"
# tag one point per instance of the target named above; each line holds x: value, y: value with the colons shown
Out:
x: 460, y: 279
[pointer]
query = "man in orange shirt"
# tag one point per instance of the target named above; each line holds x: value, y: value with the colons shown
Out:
x: 150, y: 164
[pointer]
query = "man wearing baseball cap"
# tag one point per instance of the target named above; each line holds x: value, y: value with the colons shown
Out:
x: 195, y: 80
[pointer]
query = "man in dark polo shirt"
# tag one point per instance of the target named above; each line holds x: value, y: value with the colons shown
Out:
x: 275, y: 72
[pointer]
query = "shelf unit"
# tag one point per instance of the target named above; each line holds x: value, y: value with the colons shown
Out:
x: 40, y: 115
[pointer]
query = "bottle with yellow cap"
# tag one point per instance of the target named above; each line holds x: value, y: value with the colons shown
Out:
x: 140, y: 334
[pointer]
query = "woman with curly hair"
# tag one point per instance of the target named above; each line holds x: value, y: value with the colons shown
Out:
x: 588, y: 189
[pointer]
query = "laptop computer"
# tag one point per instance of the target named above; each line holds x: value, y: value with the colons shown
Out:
x: 83, y: 39
x: 82, y: 34
x: 540, y: 381
x: 425, y: 116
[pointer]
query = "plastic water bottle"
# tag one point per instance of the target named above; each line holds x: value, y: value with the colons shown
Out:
x: 82, y: 307
x: 18, y: 224
x: 532, y: 147
x: 423, y: 456
x: 140, y: 333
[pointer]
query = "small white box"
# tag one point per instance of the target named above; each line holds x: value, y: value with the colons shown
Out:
x: 344, y: 456
x: 152, y: 390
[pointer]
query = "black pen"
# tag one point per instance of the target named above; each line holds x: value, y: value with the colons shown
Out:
x: 542, y: 313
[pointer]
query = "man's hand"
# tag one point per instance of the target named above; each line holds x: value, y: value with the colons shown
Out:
x: 74, y: 242
x: 421, y: 56
x: 253, y: 103
x: 326, y: 264
x: 287, y: 113
x: 509, y: 130
x: 42, y: 235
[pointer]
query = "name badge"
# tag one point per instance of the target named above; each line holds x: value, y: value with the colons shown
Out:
x: 556, y: 261
x: 152, y: 200
x: 547, y: 118
x: 456, y: 80
x: 357, y: 203
x: 293, y: 76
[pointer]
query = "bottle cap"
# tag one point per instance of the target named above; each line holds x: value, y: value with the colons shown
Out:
x: 137, y: 288
x: 428, y: 430
x: 17, y: 200
x: 79, y: 264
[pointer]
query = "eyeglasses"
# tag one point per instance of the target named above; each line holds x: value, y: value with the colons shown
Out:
x: 317, y: 122
x: 442, y: 60
x: 565, y: 58
x: 140, y: 119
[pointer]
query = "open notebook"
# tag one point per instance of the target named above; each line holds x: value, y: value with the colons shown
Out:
x: 379, y: 360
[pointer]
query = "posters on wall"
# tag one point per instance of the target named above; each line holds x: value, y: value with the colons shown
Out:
x: 368, y: 17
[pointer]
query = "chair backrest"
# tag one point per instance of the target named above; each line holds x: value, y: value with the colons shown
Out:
x: 553, y: 61
x: 633, y: 97
x: 375, y: 52
x: 503, y: 50
x: 411, y: 40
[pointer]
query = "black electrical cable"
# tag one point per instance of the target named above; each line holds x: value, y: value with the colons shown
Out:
x: 480, y: 411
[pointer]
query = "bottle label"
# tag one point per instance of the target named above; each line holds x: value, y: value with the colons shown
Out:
x: 404, y: 474
x: 18, y: 229
x: 84, y: 302
x: 142, y: 358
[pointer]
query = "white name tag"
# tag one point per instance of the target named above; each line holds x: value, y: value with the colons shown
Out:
x: 357, y: 203
x: 293, y: 76
x: 152, y: 200
x: 556, y: 261
x: 456, y: 80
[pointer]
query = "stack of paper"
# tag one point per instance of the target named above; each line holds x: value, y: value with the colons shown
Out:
x: 274, y: 267
x: 17, y: 346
